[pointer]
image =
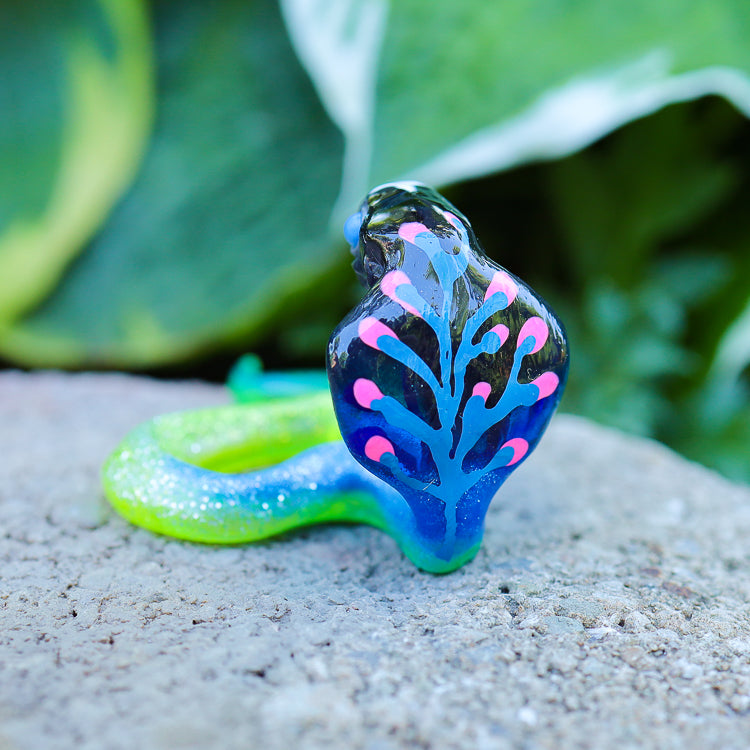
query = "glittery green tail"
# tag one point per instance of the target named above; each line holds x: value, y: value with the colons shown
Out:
x: 246, y: 472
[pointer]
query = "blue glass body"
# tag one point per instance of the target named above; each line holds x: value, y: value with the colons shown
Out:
x: 446, y: 374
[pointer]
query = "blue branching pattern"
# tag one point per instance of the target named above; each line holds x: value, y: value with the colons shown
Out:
x: 437, y: 431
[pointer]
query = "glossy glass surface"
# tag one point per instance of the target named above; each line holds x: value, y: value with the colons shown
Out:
x: 443, y: 379
x: 446, y: 375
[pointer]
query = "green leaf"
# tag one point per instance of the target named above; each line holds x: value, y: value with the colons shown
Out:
x: 76, y: 101
x: 228, y: 221
x: 714, y: 424
x: 732, y: 357
x: 622, y: 354
x: 339, y: 42
x: 466, y: 88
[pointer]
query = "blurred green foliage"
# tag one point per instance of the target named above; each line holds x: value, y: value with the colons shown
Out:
x: 602, y: 154
x: 76, y: 102
x: 643, y: 247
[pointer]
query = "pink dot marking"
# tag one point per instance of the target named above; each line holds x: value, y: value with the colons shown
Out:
x: 365, y: 392
x: 502, y: 331
x: 390, y: 282
x: 519, y: 447
x: 482, y: 389
x: 547, y: 384
x: 376, y: 446
x: 501, y: 282
x: 410, y: 230
x: 453, y: 219
x: 537, y: 328
x: 371, y: 329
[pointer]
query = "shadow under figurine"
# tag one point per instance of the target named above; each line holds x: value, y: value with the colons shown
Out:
x: 443, y: 380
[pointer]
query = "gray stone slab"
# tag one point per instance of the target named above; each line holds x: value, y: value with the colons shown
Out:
x: 608, y: 607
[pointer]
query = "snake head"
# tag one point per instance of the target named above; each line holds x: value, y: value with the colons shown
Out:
x: 373, y: 231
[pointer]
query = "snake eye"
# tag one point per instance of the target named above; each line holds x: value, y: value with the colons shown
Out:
x: 351, y: 228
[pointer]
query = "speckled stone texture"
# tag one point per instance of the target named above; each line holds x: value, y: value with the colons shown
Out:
x: 609, y: 606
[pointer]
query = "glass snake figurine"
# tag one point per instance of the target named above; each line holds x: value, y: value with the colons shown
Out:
x: 443, y: 380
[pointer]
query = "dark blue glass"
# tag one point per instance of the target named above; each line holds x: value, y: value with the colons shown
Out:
x: 446, y: 374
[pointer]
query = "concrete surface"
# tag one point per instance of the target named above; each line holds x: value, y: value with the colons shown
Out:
x: 608, y: 608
